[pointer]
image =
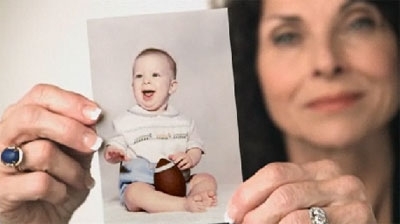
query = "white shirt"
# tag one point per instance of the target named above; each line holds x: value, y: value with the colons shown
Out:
x: 152, y: 135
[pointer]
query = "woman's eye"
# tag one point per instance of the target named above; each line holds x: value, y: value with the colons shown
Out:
x: 286, y: 38
x: 156, y: 75
x: 362, y: 23
x: 138, y: 76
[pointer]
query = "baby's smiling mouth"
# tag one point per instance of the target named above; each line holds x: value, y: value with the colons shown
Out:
x: 148, y: 93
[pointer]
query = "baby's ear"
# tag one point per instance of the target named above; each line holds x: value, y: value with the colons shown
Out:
x: 173, y: 86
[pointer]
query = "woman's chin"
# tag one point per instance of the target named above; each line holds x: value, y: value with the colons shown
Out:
x: 338, y: 140
x: 333, y: 136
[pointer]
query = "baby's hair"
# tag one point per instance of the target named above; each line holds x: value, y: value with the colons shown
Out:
x: 171, y: 60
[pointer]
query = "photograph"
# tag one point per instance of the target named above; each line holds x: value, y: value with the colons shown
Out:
x: 166, y: 87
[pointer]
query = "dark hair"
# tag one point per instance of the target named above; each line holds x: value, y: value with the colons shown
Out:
x: 148, y: 51
x: 261, y: 142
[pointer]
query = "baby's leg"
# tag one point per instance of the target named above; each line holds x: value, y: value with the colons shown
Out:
x: 203, y: 189
x: 142, y: 196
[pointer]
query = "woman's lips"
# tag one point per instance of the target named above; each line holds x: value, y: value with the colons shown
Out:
x: 333, y: 103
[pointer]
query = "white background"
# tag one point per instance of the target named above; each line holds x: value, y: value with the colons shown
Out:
x: 45, y: 41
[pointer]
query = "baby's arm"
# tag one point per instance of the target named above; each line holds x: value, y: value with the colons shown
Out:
x: 113, y: 154
x: 195, y: 155
x: 188, y: 159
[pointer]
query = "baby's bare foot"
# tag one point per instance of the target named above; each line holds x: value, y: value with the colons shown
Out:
x: 195, y: 203
x: 209, y: 198
x: 200, y: 201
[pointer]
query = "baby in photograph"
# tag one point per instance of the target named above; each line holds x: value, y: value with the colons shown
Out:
x: 152, y: 131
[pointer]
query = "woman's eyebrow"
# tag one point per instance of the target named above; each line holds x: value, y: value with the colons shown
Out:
x: 295, y: 19
x: 286, y: 18
x: 349, y: 3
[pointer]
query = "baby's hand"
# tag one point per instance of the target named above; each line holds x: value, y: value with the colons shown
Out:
x: 114, y: 155
x: 182, y: 160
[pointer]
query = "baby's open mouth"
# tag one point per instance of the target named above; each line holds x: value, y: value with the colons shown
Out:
x: 148, y: 93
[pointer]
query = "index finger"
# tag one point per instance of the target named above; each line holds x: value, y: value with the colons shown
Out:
x: 260, y: 186
x: 60, y: 101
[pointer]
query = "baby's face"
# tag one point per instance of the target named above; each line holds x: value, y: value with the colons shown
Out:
x: 153, y: 82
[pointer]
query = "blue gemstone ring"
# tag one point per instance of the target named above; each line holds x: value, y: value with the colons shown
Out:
x: 12, y: 156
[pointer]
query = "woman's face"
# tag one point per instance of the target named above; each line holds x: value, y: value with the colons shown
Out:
x: 328, y: 69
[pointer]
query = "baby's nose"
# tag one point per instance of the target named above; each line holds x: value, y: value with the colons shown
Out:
x: 146, y: 80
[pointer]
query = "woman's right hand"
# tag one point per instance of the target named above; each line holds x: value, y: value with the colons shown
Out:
x: 284, y: 193
x: 53, y: 128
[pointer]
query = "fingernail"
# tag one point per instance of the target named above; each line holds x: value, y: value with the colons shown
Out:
x: 97, y: 144
x: 93, y: 141
x: 89, y: 182
x: 92, y: 113
x: 228, y: 219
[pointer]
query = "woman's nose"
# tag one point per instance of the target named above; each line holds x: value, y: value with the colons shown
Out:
x: 327, y: 59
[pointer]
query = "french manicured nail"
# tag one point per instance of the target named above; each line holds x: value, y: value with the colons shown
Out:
x: 92, y: 141
x: 92, y: 113
x: 89, y: 182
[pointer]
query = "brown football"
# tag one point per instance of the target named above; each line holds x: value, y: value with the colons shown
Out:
x: 169, y: 179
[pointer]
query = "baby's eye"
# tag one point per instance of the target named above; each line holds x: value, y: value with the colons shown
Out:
x: 288, y: 38
x: 138, y: 76
x: 362, y: 23
x: 156, y: 75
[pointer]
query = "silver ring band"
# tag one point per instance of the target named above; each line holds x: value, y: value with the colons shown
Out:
x: 318, y: 215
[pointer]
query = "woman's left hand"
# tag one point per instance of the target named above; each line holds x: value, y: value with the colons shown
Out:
x: 283, y: 193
